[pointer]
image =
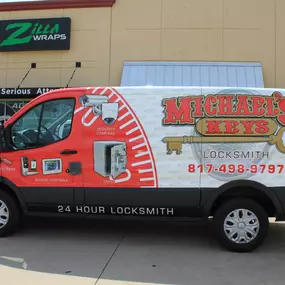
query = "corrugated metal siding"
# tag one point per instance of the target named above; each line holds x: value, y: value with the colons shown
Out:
x: 220, y: 74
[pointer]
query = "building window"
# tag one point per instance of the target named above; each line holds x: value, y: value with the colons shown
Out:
x: 9, y: 107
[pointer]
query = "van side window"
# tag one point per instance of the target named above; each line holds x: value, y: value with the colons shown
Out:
x: 45, y: 124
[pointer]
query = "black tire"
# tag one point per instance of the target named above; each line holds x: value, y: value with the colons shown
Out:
x: 240, y: 203
x: 14, y: 214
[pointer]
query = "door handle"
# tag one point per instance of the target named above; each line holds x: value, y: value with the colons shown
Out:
x: 68, y: 151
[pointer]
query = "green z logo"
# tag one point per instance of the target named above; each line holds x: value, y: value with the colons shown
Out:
x: 14, y: 39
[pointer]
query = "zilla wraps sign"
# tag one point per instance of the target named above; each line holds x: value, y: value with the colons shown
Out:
x: 226, y: 119
x: 35, y: 34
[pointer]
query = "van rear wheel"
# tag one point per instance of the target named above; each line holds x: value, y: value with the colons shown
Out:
x: 9, y: 214
x: 241, y: 225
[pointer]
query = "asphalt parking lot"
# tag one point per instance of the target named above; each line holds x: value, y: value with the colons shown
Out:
x: 126, y: 252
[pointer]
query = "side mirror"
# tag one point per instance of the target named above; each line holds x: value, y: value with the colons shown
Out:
x: 5, y: 134
x: 2, y: 137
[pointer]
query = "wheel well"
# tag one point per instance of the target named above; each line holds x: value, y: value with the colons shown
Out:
x: 10, y: 192
x: 246, y: 192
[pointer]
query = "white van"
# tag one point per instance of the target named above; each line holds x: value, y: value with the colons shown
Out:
x: 154, y: 152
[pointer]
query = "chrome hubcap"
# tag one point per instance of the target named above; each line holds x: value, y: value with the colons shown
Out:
x: 241, y: 226
x: 4, y: 214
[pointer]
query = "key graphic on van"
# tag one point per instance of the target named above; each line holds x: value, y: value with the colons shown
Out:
x: 175, y: 143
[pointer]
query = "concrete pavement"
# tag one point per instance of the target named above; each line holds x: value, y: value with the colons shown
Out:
x: 102, y: 252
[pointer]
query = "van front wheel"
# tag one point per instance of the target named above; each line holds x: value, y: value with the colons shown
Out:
x: 9, y: 214
x: 241, y: 225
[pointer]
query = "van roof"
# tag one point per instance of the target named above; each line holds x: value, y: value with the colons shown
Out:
x: 142, y: 88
